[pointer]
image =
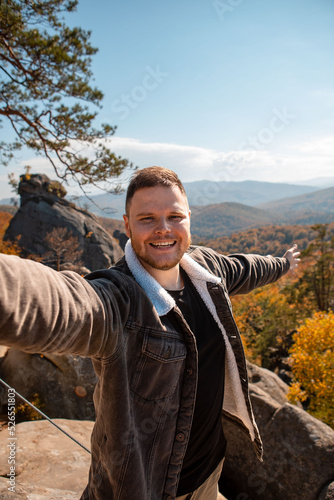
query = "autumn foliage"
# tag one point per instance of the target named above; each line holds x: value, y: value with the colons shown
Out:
x: 289, y: 326
x: 7, y: 247
x: 266, y: 318
x: 312, y: 358
x: 273, y: 240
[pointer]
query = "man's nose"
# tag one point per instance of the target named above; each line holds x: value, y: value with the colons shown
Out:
x: 163, y: 226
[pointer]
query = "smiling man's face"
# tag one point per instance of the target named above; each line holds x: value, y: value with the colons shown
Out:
x: 158, y: 223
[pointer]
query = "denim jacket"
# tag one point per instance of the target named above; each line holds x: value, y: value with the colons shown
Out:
x: 147, y: 368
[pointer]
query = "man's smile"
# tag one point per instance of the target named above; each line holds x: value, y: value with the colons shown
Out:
x: 165, y: 244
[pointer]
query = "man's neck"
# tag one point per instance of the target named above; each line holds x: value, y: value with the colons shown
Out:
x: 170, y: 279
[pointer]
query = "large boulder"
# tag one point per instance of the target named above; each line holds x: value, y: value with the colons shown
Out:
x: 298, y: 449
x: 44, y: 208
x: 62, y: 385
x: 48, y: 464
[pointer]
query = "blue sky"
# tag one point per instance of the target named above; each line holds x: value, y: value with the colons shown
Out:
x: 219, y: 90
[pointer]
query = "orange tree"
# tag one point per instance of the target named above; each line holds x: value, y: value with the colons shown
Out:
x: 266, y: 319
x: 6, y: 246
x: 5, y: 219
x: 312, y: 360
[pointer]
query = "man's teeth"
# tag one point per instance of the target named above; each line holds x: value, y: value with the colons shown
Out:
x: 164, y: 244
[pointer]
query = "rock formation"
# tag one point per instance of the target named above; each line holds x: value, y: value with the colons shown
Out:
x: 63, y: 385
x: 298, y: 449
x: 43, y: 208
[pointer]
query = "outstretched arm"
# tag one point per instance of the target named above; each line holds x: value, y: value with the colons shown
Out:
x: 42, y: 310
x: 293, y: 257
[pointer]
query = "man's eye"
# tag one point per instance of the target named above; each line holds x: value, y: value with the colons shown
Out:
x: 175, y: 217
x: 146, y: 219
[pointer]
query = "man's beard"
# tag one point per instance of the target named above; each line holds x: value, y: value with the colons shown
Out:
x: 160, y: 263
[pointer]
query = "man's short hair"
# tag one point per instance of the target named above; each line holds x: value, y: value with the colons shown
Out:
x: 151, y: 177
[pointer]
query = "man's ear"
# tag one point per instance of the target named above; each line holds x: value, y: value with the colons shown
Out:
x: 126, y: 225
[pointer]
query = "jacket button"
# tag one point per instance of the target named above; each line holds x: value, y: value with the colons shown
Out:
x: 189, y: 371
x: 180, y: 437
x: 167, y: 353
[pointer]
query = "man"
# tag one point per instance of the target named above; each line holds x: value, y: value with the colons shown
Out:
x: 160, y: 331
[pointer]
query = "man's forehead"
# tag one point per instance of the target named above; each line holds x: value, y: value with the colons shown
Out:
x: 166, y: 197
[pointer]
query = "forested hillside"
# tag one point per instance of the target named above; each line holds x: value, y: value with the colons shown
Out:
x: 250, y: 193
x: 213, y: 221
x: 266, y: 240
x: 288, y: 326
x: 209, y: 221
x: 318, y: 201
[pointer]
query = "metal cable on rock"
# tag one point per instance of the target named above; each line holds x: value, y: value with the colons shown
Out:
x: 44, y: 416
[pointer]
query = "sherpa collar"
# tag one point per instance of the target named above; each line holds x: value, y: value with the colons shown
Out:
x: 161, y: 299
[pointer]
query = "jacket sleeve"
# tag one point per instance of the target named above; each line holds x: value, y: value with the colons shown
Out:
x: 244, y: 273
x: 42, y: 310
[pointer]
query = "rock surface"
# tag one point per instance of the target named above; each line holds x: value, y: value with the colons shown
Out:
x: 298, y: 449
x: 49, y: 465
x: 44, y: 208
x: 64, y: 384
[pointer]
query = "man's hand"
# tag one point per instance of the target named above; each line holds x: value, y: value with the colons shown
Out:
x: 292, y: 255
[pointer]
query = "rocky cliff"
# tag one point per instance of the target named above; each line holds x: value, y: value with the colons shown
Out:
x: 44, y: 208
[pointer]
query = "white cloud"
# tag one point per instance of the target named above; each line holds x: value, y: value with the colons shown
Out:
x: 187, y: 161
x: 192, y: 163
x: 322, y: 146
x: 297, y: 163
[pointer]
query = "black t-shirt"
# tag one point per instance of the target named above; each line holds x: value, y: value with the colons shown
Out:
x: 207, y: 443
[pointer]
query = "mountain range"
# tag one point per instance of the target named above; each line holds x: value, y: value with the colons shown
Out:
x: 317, y: 201
x: 218, y: 219
x: 220, y: 208
x: 223, y: 219
x: 316, y: 207
x: 201, y: 193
